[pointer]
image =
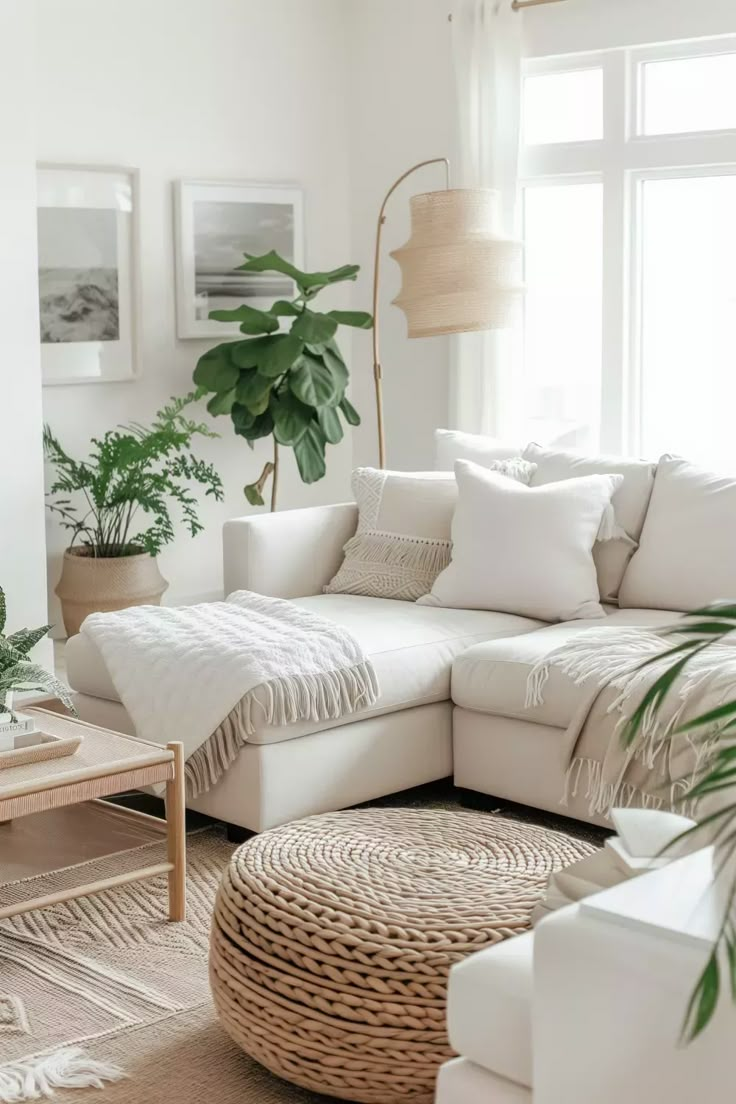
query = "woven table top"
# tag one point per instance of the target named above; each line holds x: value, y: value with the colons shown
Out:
x: 102, y: 752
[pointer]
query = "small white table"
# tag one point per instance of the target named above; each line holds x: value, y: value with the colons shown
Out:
x: 106, y: 763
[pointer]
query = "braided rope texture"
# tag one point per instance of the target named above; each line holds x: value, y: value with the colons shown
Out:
x: 333, y: 936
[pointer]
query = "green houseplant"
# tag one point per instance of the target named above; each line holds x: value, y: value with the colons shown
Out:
x: 702, y: 629
x: 289, y: 385
x: 117, y: 504
x: 18, y: 673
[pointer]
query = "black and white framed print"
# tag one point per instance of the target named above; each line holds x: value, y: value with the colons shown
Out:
x: 216, y: 225
x: 87, y: 273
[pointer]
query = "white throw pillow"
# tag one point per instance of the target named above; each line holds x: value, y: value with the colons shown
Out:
x: 630, y: 503
x: 403, y: 537
x: 687, y: 549
x: 524, y: 550
x: 451, y: 445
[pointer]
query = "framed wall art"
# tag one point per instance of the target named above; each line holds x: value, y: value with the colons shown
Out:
x: 87, y: 273
x: 216, y: 224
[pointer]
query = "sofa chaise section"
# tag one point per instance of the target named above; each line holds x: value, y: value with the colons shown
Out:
x: 404, y: 740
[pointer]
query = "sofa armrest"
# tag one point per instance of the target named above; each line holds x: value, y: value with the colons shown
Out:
x: 287, y: 554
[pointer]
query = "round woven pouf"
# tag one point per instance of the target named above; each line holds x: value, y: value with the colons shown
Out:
x: 333, y: 936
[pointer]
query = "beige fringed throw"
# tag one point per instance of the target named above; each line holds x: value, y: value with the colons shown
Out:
x: 661, y: 765
x: 204, y: 674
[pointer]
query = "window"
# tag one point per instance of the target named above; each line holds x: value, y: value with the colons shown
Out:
x: 629, y: 213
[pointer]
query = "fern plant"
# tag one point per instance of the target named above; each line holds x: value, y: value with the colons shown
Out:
x: 17, y: 672
x: 700, y: 630
x: 290, y: 386
x: 132, y: 471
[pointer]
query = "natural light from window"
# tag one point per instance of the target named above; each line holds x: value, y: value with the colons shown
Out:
x: 684, y: 95
x: 563, y: 107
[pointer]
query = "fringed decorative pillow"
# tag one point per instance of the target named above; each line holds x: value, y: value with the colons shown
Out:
x: 402, y: 542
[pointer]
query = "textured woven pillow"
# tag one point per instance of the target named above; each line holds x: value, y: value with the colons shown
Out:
x: 402, y: 542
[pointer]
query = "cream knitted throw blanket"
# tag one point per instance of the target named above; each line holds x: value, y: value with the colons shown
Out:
x: 662, y: 764
x: 204, y: 674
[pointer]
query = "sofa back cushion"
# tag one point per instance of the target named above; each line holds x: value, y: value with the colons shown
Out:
x: 451, y: 445
x: 630, y: 502
x: 687, y: 550
x: 403, y: 537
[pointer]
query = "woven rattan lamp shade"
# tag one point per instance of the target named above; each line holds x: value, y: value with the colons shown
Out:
x: 458, y: 273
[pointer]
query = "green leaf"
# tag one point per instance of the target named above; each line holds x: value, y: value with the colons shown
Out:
x: 309, y: 451
x: 283, y: 308
x: 312, y: 382
x: 254, y: 496
x: 252, y: 320
x: 222, y: 402
x: 25, y: 639
x: 242, y: 417
x: 215, y: 370
x: 351, y: 415
x: 279, y: 355
x: 261, y: 426
x: 314, y: 327
x: 330, y: 424
x: 360, y: 319
x: 290, y: 418
x: 332, y: 357
x: 31, y: 676
x: 253, y: 391
x: 247, y: 354
x: 307, y: 282
x: 703, y: 1000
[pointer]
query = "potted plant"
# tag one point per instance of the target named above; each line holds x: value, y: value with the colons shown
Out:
x: 289, y: 385
x: 111, y: 562
x: 19, y: 674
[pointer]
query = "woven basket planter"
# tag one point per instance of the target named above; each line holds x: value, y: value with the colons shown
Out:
x: 333, y: 936
x: 96, y: 584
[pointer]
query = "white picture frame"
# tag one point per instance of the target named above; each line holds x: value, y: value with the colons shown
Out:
x: 216, y: 223
x: 88, y: 273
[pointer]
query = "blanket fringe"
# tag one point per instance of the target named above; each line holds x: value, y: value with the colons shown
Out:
x: 283, y: 701
x: 67, y: 1068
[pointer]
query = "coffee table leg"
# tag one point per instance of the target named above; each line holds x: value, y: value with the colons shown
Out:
x: 176, y: 836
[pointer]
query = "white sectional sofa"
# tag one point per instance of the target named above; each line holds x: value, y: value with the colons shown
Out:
x: 452, y: 681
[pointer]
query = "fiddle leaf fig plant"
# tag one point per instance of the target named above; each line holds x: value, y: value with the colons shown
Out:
x: 286, y: 383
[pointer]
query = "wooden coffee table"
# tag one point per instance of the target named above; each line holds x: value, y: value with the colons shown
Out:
x: 106, y: 763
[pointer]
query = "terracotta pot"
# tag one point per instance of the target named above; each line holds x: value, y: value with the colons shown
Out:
x: 96, y: 584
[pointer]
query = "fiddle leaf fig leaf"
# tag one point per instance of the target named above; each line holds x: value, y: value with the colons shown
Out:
x: 222, y: 402
x: 215, y: 370
x: 330, y: 424
x: 309, y: 451
x: 333, y: 359
x: 253, y: 495
x: 280, y: 354
x: 252, y: 320
x: 351, y: 415
x: 242, y: 418
x: 282, y: 308
x: 307, y: 282
x: 361, y: 320
x: 253, y: 391
x: 314, y: 328
x: 247, y: 354
x: 290, y: 418
x: 312, y: 381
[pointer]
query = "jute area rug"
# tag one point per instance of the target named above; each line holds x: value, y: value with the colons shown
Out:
x: 109, y: 974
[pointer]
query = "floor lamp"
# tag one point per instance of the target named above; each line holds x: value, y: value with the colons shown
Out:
x: 458, y: 273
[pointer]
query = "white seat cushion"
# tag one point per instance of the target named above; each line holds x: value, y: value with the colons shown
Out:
x: 462, y: 1082
x: 490, y: 677
x: 412, y: 648
x: 489, y: 1008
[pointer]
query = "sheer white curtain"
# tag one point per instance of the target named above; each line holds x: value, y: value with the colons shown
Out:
x: 486, y: 45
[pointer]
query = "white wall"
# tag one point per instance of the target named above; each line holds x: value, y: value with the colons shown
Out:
x: 22, y: 541
x: 222, y: 90
x: 402, y: 107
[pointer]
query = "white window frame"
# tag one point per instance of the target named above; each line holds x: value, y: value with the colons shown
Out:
x: 622, y: 160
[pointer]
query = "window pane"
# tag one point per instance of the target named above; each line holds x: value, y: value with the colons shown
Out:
x: 560, y: 399
x: 689, y: 318
x: 687, y: 94
x: 563, y: 107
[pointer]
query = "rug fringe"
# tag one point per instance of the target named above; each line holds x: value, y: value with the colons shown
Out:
x: 67, y: 1068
